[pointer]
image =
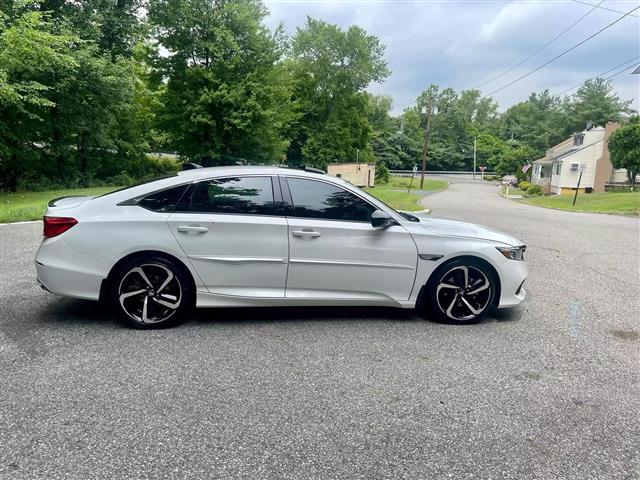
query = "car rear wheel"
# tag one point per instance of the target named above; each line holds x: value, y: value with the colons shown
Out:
x: 461, y: 291
x: 152, y: 292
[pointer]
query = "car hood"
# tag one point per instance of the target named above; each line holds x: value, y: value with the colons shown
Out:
x: 453, y: 228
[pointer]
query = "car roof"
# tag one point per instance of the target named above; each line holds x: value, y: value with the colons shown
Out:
x: 244, y: 169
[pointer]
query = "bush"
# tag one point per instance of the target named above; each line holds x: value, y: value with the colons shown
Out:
x: 534, y: 190
x: 382, y: 173
x: 524, y: 185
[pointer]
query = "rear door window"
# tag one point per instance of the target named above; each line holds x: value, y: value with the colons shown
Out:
x: 232, y: 195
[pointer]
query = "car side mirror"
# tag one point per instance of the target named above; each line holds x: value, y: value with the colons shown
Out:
x: 380, y: 219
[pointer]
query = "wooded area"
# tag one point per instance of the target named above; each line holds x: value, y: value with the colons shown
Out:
x: 88, y: 88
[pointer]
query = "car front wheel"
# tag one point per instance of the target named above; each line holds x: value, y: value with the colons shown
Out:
x: 152, y: 292
x: 461, y: 292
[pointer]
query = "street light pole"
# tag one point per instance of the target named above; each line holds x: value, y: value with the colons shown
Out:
x: 358, y: 157
x: 475, y: 145
x: 425, y: 150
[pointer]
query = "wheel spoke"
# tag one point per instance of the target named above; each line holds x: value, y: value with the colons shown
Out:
x: 453, y: 303
x: 143, y: 275
x: 166, y: 282
x: 144, y: 310
x: 172, y: 306
x: 473, y: 310
x: 465, y: 270
x: 124, y: 296
x: 479, y: 289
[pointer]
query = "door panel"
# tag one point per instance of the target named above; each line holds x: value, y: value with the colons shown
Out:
x: 350, y: 260
x: 229, y: 229
x: 236, y: 254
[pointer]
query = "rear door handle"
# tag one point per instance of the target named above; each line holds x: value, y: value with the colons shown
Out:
x: 192, y: 229
x: 306, y: 233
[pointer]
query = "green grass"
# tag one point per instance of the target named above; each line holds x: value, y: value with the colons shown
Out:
x: 608, y: 202
x: 403, y: 182
x: 394, y: 193
x: 512, y: 190
x: 17, y: 207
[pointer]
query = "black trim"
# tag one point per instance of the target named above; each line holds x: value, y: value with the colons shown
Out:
x: 287, y: 201
x: 52, y: 202
x: 430, y: 256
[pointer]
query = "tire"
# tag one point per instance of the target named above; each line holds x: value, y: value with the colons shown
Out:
x: 152, y: 292
x: 449, y: 298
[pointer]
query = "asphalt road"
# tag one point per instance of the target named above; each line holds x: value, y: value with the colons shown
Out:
x: 549, y: 390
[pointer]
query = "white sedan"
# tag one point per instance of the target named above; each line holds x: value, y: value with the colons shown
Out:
x: 266, y: 236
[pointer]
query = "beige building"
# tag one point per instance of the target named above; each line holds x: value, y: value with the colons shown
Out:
x: 359, y: 174
x: 558, y: 171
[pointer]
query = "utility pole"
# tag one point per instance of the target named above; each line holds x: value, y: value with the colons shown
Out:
x: 425, y: 150
x: 475, y: 145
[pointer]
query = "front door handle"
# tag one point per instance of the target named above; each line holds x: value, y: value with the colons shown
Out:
x: 192, y: 229
x: 306, y: 233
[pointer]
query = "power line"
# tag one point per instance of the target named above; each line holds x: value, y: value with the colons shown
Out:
x: 602, y: 8
x: 603, y: 73
x: 562, y: 54
x: 541, y: 48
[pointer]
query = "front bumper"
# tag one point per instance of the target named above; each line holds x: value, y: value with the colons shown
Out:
x: 512, y: 278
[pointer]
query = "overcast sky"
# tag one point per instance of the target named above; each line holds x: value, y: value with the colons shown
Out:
x: 461, y: 44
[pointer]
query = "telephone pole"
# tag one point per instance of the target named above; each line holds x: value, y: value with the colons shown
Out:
x: 425, y: 150
x: 475, y: 148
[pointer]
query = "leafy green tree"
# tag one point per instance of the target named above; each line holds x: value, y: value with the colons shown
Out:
x: 511, y: 160
x: 595, y: 102
x: 62, y: 103
x: 538, y: 122
x: 624, y: 147
x: 331, y: 68
x: 228, y: 95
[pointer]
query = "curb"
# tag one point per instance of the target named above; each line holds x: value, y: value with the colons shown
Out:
x: 20, y: 223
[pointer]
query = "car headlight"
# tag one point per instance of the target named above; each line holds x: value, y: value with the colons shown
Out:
x: 513, y: 253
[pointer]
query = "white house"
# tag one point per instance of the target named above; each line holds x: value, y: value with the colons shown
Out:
x: 558, y: 171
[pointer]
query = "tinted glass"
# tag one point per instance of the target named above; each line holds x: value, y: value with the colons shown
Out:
x: 241, y: 195
x: 313, y: 199
x: 164, y: 200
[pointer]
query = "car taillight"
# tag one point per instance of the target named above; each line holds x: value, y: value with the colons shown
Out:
x: 54, y: 226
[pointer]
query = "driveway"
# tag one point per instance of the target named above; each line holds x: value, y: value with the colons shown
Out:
x: 549, y: 390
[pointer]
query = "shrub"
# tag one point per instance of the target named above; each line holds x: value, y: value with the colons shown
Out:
x: 382, y: 173
x: 524, y: 185
x: 534, y: 190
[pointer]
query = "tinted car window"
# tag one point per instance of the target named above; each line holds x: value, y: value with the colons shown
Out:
x: 240, y: 195
x: 312, y: 199
x: 164, y: 200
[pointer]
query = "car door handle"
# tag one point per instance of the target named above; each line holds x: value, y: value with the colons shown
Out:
x: 306, y: 233
x: 192, y: 229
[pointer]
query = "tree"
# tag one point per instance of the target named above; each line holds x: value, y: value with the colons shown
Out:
x: 62, y: 102
x: 624, y: 147
x: 331, y: 68
x: 538, y: 123
x: 227, y: 95
x: 594, y: 102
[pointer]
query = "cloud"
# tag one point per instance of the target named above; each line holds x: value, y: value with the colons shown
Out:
x: 461, y: 44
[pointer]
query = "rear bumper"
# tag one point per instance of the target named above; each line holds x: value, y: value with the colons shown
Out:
x: 64, y: 272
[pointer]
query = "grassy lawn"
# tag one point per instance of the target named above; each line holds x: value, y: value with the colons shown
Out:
x: 16, y: 207
x: 403, y: 182
x: 395, y: 193
x: 512, y: 190
x: 614, y: 202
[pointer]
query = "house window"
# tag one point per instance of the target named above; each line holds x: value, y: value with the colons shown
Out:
x: 558, y: 166
x: 578, y: 139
